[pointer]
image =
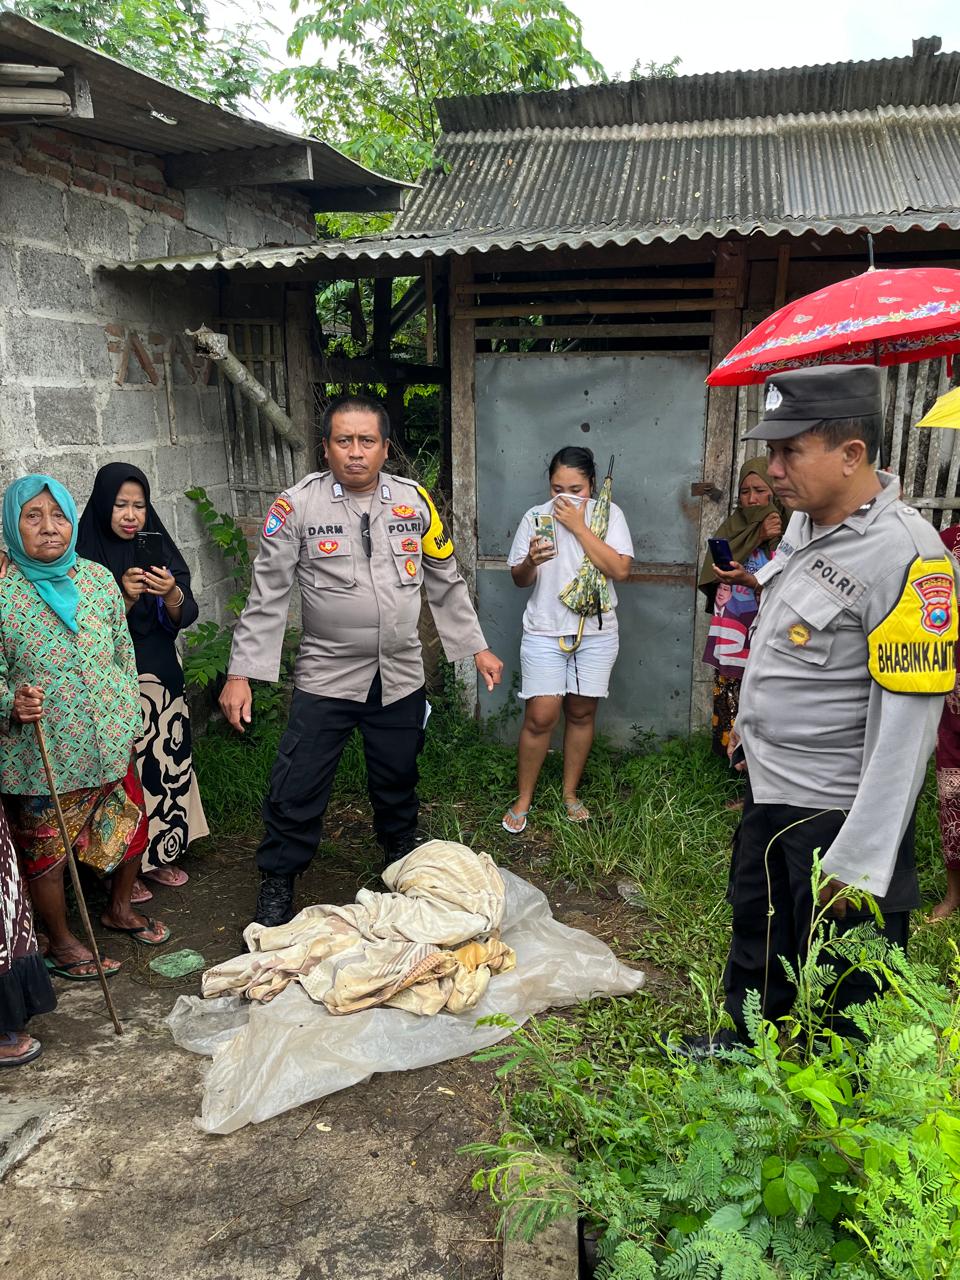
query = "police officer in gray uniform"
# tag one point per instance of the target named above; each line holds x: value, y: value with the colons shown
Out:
x: 360, y: 544
x: 851, y: 654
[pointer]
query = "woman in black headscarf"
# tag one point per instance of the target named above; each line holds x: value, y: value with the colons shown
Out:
x: 159, y: 604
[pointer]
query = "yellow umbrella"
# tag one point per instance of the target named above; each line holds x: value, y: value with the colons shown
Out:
x: 945, y: 413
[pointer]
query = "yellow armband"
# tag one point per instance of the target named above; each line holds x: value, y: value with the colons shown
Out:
x: 437, y: 543
x: 913, y: 650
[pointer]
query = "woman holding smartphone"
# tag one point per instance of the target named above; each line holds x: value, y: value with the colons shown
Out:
x: 753, y: 532
x: 121, y: 530
x: 548, y: 549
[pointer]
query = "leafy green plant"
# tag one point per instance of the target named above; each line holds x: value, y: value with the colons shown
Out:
x: 171, y: 39
x: 376, y: 101
x: 805, y: 1155
x: 207, y: 654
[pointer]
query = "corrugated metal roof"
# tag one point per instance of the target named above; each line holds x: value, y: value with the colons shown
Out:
x: 925, y: 80
x: 313, y: 261
x: 139, y: 111
x: 648, y: 180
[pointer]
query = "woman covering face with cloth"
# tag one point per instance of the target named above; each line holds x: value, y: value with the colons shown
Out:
x: 548, y: 549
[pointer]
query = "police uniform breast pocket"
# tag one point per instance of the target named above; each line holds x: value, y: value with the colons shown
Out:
x: 407, y: 551
x: 809, y: 619
x: 332, y: 561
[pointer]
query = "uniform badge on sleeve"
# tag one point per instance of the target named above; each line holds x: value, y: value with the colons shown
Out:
x: 276, y: 517
x: 936, y: 596
x: 403, y: 512
x: 912, y: 650
x: 411, y: 568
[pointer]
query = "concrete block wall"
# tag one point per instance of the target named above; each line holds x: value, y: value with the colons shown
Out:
x: 74, y: 392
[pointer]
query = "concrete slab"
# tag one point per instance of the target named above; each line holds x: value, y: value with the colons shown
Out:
x: 22, y: 1125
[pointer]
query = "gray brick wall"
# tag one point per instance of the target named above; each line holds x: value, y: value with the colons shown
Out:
x: 64, y: 325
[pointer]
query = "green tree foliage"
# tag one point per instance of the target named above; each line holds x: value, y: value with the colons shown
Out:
x: 393, y: 58
x: 170, y: 39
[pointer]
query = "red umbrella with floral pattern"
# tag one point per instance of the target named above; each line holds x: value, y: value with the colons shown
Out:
x: 880, y: 317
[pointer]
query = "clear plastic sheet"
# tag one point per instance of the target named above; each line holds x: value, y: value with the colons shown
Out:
x: 270, y: 1058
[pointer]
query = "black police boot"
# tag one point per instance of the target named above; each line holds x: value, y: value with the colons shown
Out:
x: 397, y: 847
x: 275, y: 900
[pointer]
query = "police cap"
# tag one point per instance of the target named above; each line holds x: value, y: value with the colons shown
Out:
x: 798, y: 400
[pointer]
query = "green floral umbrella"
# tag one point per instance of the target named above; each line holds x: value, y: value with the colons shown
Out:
x: 589, y: 592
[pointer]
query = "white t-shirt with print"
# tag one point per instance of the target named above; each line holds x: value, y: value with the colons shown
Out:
x: 544, y: 614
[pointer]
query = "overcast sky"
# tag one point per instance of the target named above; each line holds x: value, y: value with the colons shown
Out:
x: 709, y: 36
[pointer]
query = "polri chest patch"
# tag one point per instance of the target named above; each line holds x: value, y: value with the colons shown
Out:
x: 841, y: 583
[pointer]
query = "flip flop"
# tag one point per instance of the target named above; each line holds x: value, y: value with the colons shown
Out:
x: 66, y: 969
x: 577, y: 811
x: 180, y: 877
x: 136, y: 932
x: 139, y: 893
x: 30, y: 1054
x: 517, y: 817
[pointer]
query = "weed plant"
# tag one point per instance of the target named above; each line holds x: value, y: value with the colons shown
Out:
x: 806, y: 1155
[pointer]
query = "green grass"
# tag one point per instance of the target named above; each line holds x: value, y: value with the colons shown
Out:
x: 659, y: 821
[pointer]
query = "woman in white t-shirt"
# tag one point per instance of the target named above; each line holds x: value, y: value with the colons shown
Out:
x: 551, y: 679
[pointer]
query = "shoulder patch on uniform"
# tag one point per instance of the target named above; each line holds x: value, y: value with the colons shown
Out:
x: 277, y: 516
x: 913, y: 650
x: 437, y: 543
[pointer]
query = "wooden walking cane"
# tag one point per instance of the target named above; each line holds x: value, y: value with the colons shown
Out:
x: 75, y: 877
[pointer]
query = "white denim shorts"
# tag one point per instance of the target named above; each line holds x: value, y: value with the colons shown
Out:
x: 547, y: 671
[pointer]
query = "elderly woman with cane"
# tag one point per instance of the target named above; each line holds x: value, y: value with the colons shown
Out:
x: 66, y: 658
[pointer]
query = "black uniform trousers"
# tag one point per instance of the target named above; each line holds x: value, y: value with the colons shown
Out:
x: 750, y: 966
x: 306, y: 764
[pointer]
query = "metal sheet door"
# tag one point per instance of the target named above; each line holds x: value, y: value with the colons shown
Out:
x: 649, y: 411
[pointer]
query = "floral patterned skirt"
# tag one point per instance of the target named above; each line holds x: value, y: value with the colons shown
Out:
x: 165, y: 757
x: 106, y: 826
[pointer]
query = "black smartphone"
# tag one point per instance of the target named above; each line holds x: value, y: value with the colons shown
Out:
x: 147, y: 550
x: 738, y: 756
x: 720, y: 550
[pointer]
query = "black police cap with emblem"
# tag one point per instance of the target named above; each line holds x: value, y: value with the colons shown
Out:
x: 800, y: 399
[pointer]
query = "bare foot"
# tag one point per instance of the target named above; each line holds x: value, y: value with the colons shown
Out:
x: 515, y: 819
x: 172, y: 876
x: 943, y: 909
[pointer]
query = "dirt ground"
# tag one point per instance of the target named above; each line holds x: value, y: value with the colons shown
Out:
x: 364, y: 1185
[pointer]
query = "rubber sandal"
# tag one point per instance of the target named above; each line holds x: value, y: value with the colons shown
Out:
x: 517, y: 817
x: 577, y: 811
x: 140, y: 893
x: 67, y: 969
x: 30, y: 1054
x: 136, y: 932
x: 179, y: 880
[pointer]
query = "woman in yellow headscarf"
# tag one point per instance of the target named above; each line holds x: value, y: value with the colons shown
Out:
x: 753, y: 530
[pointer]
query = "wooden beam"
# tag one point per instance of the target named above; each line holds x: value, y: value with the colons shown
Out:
x: 594, y: 331
x: 532, y: 288
x: 463, y: 449
x: 783, y: 271
x: 428, y: 307
x: 718, y: 453
x: 367, y: 369
x: 355, y: 200
x: 597, y: 308
x: 382, y: 307
x: 253, y: 167
x: 298, y: 318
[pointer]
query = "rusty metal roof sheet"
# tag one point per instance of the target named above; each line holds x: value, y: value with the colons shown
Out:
x: 927, y: 79
x: 141, y: 112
